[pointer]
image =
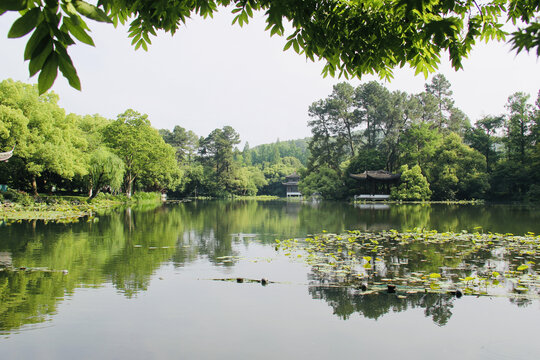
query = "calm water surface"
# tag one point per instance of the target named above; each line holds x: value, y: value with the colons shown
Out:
x: 139, y: 285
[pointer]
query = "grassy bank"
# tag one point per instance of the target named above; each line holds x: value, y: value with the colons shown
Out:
x: 15, y: 205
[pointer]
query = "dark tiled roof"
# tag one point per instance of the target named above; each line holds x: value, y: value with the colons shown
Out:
x: 380, y: 175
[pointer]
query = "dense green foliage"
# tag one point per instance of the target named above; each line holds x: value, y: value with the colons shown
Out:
x: 413, y: 186
x: 324, y: 182
x: 370, y: 128
x: 56, y: 152
x: 59, y: 152
x: 272, y: 153
x: 212, y: 166
x: 354, y: 130
x: 354, y: 37
x: 143, y: 152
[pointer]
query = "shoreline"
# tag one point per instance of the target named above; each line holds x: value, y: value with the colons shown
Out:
x: 65, y: 209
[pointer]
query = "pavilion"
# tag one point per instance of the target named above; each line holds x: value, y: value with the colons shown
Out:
x: 291, y: 185
x: 376, y: 184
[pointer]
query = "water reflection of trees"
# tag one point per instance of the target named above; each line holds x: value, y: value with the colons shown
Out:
x: 345, y: 296
x: 353, y: 278
x: 28, y: 298
x: 125, y: 248
x: 346, y: 301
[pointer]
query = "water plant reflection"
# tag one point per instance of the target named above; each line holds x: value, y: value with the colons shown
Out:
x: 125, y: 248
x: 422, y: 264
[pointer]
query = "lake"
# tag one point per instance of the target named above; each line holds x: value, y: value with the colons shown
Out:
x: 163, y: 283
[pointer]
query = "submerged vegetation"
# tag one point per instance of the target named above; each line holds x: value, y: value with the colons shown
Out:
x: 422, y: 261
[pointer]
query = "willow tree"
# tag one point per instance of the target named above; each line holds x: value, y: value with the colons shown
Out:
x: 354, y: 37
x: 105, y: 169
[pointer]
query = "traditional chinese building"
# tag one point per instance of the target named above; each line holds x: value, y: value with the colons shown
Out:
x: 375, y: 185
x: 291, y: 185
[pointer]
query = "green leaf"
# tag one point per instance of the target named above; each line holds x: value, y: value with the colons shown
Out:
x: 70, y: 9
x: 249, y: 11
x: 41, y: 31
x: 25, y: 23
x: 78, y: 32
x: 62, y: 35
x: 79, y: 22
x: 41, y: 54
x: 48, y: 73
x: 522, y: 267
x: 296, y: 47
x: 91, y: 11
x: 434, y: 276
x: 287, y: 45
x: 68, y: 70
x: 16, y: 5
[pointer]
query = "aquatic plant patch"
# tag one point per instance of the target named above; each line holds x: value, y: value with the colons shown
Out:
x: 422, y: 261
x: 56, y: 213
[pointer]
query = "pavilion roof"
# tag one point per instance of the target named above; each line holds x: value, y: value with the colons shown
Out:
x: 290, y: 183
x: 293, y: 175
x: 377, y: 175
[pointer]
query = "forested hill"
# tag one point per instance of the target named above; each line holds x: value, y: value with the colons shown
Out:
x: 271, y: 153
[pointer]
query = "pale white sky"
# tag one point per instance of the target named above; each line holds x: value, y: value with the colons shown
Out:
x: 212, y: 74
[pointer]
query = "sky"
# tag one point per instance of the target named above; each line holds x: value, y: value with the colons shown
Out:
x: 211, y: 74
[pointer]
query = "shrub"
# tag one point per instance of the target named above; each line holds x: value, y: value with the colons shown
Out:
x: 413, y: 185
x: 324, y: 181
x: 19, y: 197
x: 146, y: 196
x: 533, y: 194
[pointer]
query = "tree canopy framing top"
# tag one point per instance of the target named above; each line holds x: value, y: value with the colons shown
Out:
x: 354, y: 37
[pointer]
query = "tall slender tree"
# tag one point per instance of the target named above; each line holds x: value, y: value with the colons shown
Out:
x: 518, y: 126
x: 341, y: 107
x: 440, y: 89
x: 482, y: 138
x: 324, y: 148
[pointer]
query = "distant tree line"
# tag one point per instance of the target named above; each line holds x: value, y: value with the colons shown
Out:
x: 427, y: 138
x: 424, y: 136
x: 59, y: 152
x: 214, y: 166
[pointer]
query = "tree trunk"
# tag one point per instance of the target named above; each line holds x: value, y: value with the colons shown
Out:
x: 90, y: 188
x: 129, y: 184
x: 129, y: 188
x: 34, y: 185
